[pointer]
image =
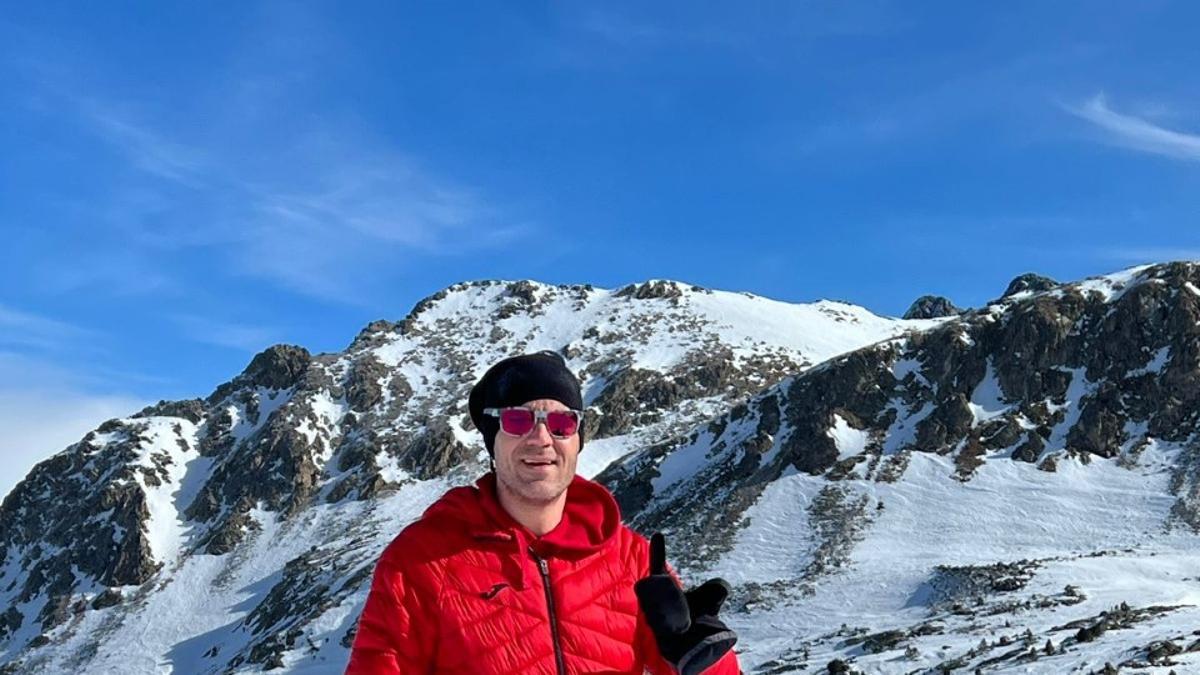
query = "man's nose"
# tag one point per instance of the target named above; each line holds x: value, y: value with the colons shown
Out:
x: 540, y: 434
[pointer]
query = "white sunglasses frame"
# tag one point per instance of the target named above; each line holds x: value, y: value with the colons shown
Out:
x: 539, y: 416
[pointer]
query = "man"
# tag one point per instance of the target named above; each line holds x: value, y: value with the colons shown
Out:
x: 531, y: 570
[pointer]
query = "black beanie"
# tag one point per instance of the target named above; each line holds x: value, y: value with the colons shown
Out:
x: 518, y: 380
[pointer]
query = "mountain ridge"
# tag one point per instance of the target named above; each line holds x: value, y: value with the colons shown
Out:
x: 786, y: 460
x: 295, y: 431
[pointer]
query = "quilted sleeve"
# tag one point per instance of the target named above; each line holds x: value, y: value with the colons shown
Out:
x: 397, y: 628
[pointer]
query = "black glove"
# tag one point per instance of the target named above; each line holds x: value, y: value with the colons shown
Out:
x: 685, y: 625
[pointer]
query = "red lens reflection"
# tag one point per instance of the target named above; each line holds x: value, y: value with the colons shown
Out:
x: 516, y: 421
x: 519, y: 421
x: 562, y: 423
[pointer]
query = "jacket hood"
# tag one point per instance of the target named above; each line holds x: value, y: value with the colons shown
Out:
x: 590, y: 520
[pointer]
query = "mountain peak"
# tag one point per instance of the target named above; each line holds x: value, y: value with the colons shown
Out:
x: 1029, y: 282
x: 931, y: 307
x: 277, y: 367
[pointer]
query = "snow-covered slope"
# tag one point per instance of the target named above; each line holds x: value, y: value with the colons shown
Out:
x: 236, y: 532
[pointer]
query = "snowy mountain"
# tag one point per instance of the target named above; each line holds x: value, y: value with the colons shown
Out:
x: 235, y: 532
x: 1014, y: 488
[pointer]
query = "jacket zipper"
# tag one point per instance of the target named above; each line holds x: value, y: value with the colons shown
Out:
x: 544, y: 568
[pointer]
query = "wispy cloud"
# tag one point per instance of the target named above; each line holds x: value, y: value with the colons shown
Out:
x: 147, y: 150
x: 22, y: 329
x: 347, y: 217
x: 1137, y: 133
x: 324, y: 218
x: 42, y: 353
x: 224, y: 334
x: 324, y: 208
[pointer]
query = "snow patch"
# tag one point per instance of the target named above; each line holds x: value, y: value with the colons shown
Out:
x: 1112, y: 286
x: 987, y: 401
x: 1155, y: 365
x: 849, y: 441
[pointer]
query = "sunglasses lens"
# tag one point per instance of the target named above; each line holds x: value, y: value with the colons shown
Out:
x: 516, y: 421
x: 562, y: 423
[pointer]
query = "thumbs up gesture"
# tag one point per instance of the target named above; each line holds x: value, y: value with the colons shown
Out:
x: 685, y: 625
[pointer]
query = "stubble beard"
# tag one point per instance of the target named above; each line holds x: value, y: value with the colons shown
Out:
x: 535, y: 492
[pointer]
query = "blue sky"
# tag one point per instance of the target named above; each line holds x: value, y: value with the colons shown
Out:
x: 184, y: 184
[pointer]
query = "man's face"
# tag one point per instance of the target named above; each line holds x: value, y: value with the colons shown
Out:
x: 537, y: 467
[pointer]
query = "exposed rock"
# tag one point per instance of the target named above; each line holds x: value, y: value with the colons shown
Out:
x: 364, y: 388
x: 957, y: 584
x: 1029, y: 282
x: 837, y: 517
x: 374, y: 335
x: 883, y: 642
x: 109, y: 598
x: 277, y: 367
x: 931, y: 307
x: 521, y: 298
x: 651, y: 290
x: 10, y: 621
x: 409, y: 323
x: 191, y: 410
x: 950, y: 421
x: 310, y: 585
x: 633, y: 397
x: 435, y: 452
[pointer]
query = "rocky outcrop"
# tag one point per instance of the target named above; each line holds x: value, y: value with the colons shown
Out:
x: 310, y: 586
x: 652, y: 290
x: 931, y: 307
x: 365, y: 384
x: 1031, y: 282
x: 191, y: 410
x: 93, y: 528
x: 278, y: 367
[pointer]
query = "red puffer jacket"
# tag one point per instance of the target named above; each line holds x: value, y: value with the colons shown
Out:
x: 466, y: 589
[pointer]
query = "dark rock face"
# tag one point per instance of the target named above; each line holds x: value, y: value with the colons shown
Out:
x: 191, y: 410
x: 968, y: 583
x: 278, y: 367
x: 108, y: 598
x: 1029, y: 282
x: 373, y: 335
x: 651, y: 290
x: 275, y: 466
x: 931, y: 307
x: 311, y: 584
x: 435, y: 452
x: 633, y: 397
x: 47, y: 540
x: 10, y: 621
x: 364, y: 388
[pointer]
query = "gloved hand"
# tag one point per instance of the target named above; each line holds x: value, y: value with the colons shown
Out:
x: 685, y: 625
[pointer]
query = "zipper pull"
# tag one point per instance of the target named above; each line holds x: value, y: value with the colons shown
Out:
x: 541, y: 562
